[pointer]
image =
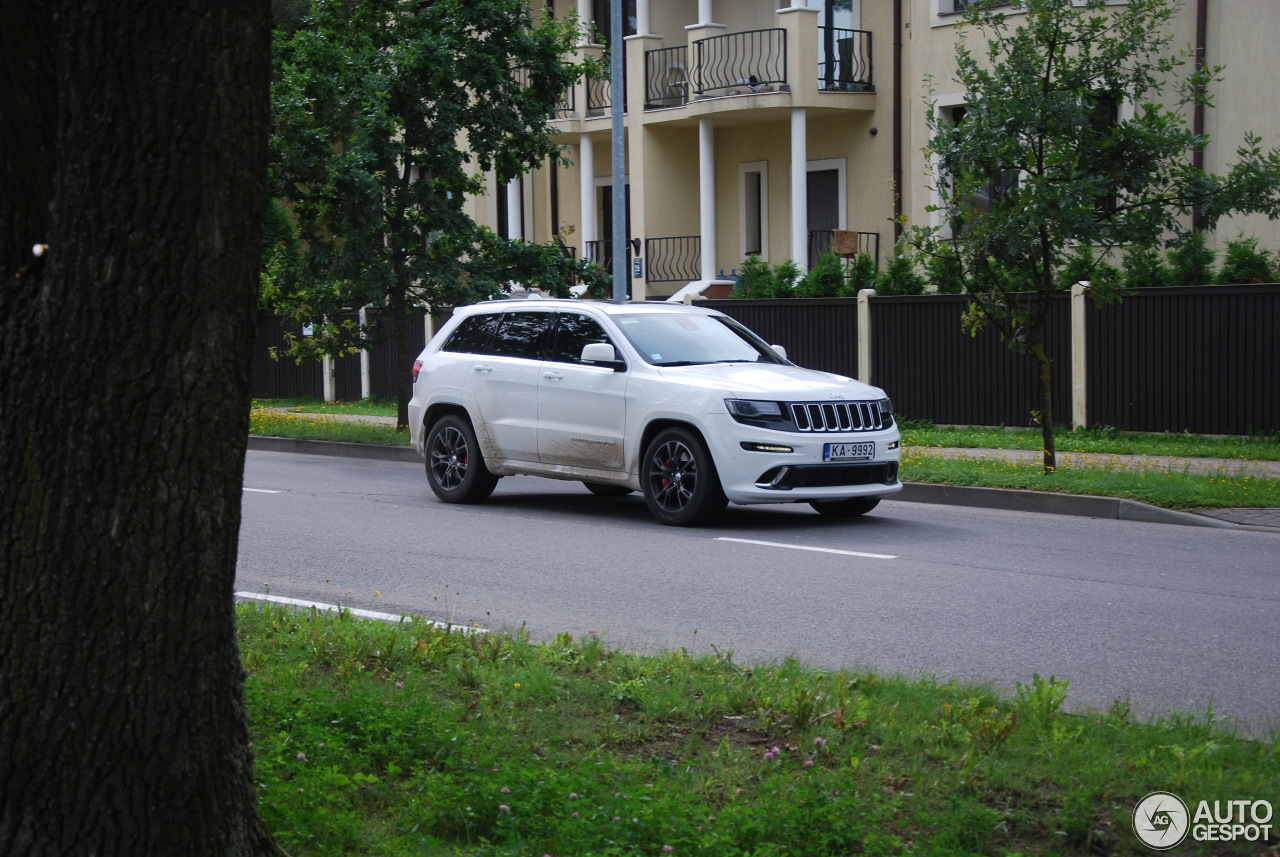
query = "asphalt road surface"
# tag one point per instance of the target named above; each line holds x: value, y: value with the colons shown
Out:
x: 1168, y: 617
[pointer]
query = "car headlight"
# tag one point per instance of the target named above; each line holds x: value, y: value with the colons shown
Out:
x: 754, y: 410
x: 886, y: 409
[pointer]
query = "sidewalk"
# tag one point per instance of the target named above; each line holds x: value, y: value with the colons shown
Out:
x: 1247, y: 518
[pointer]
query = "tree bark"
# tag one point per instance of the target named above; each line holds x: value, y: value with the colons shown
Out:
x: 123, y: 419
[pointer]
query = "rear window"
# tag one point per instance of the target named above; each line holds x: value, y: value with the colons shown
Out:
x: 472, y: 335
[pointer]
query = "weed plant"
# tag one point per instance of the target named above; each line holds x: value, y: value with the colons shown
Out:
x: 395, y: 739
x: 310, y: 426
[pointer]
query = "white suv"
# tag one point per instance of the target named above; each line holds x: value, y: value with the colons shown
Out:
x: 679, y: 402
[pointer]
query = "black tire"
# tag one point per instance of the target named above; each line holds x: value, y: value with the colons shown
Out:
x: 851, y: 508
x: 679, y: 479
x: 600, y: 489
x: 455, y: 466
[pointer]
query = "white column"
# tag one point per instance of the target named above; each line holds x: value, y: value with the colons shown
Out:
x: 707, y: 197
x: 585, y: 21
x: 799, y: 189
x: 704, y: 13
x: 642, y: 17
x: 330, y: 379
x: 587, y: 191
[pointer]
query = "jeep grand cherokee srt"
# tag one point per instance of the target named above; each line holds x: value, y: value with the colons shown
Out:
x: 681, y: 403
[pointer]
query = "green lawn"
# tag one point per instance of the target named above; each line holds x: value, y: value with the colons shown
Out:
x: 382, y: 739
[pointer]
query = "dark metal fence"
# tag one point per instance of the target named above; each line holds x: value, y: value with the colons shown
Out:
x: 1193, y: 359
x: 1202, y: 360
x: 666, y: 76
x: 844, y: 60
x: 747, y: 61
x: 820, y: 333
x: 934, y: 370
x: 673, y: 260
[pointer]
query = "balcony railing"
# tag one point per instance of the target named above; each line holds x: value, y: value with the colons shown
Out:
x: 565, y: 107
x: 600, y: 252
x: 820, y: 242
x: 666, y: 75
x: 674, y: 260
x: 752, y: 61
x: 844, y: 60
x: 600, y: 94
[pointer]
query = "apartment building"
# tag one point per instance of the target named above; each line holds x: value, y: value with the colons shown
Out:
x: 762, y: 127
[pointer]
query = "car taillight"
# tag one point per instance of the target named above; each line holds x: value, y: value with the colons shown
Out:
x: 417, y: 367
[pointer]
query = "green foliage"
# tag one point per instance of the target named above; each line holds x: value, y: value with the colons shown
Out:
x: 945, y: 270
x: 1040, y: 160
x: 1243, y: 262
x: 1085, y: 266
x: 900, y: 277
x: 861, y: 275
x: 1144, y: 268
x: 755, y: 279
x: 1191, y: 262
x: 387, y: 117
x: 824, y: 280
x: 416, y: 738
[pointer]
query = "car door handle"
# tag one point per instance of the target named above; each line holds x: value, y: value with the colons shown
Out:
x: 553, y: 376
x: 481, y: 367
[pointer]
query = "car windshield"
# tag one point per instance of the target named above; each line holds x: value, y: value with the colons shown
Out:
x: 677, y: 339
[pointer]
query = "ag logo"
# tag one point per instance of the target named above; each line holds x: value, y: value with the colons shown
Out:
x: 1161, y: 820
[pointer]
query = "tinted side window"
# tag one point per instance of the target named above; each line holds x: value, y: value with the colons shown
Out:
x: 573, y: 331
x: 472, y: 334
x: 521, y: 334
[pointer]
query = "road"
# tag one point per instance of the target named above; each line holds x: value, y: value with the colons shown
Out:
x: 1169, y: 617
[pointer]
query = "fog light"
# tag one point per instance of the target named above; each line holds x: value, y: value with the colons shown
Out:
x: 766, y: 447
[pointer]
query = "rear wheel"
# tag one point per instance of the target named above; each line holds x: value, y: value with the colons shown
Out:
x: 851, y: 508
x: 681, y: 486
x: 600, y: 489
x: 455, y: 467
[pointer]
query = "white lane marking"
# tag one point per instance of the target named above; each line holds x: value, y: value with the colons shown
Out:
x: 364, y: 614
x: 263, y: 491
x: 807, y: 548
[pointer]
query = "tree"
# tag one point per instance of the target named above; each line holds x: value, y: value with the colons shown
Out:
x: 387, y: 116
x: 1045, y: 156
x: 134, y: 156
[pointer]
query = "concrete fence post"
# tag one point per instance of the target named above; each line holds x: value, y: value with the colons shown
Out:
x: 1079, y: 357
x: 864, y: 334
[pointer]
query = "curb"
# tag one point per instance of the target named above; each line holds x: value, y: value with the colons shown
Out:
x: 1046, y: 502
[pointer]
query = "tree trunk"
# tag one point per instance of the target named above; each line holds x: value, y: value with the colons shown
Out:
x: 123, y: 419
x: 1045, y: 367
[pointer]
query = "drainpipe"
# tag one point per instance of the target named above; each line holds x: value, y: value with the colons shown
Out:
x: 1197, y: 120
x: 897, y: 119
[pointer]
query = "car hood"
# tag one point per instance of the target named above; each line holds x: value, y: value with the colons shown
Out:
x: 772, y: 381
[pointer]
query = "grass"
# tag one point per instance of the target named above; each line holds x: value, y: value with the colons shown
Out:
x: 318, y: 421
x: 397, y: 739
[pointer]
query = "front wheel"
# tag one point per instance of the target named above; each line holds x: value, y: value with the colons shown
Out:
x: 851, y: 508
x: 681, y: 486
x: 455, y: 468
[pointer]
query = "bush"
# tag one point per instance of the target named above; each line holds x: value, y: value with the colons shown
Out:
x: 1085, y: 266
x: 1243, y: 262
x: 825, y: 280
x: 1144, y: 269
x: 945, y: 271
x: 1191, y: 262
x: 861, y: 275
x: 900, y: 278
x: 755, y: 280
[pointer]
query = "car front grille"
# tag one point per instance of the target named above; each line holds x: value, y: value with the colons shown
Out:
x: 838, y: 416
x: 828, y: 475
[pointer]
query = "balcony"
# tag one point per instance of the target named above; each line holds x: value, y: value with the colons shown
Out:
x: 758, y: 61
x: 820, y: 242
x: 668, y: 260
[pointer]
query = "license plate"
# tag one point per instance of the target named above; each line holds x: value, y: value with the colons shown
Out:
x: 849, y: 451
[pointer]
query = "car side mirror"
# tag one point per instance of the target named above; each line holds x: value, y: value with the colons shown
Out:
x: 782, y: 352
x: 601, y: 353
